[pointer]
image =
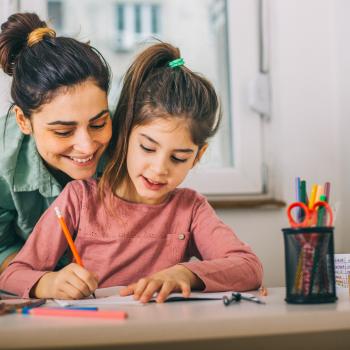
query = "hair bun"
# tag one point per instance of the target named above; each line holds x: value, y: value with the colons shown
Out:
x: 13, y: 37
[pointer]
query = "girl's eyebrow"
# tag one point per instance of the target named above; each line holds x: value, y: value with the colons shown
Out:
x: 61, y: 122
x: 183, y: 150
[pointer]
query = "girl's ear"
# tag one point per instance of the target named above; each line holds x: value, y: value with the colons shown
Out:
x: 23, y: 122
x: 200, y: 154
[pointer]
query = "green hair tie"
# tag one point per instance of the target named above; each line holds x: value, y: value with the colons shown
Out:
x: 176, y: 63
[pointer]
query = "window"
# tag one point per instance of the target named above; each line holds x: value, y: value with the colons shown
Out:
x: 55, y: 14
x: 219, y: 38
x: 135, y: 23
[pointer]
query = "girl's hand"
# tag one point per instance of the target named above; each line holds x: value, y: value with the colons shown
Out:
x: 71, y: 282
x: 174, y: 279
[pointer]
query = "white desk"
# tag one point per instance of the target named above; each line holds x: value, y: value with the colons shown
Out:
x: 191, y: 325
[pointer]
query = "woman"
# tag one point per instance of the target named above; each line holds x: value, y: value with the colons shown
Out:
x: 60, y: 127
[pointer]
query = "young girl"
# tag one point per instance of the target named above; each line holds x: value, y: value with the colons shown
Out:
x: 136, y: 228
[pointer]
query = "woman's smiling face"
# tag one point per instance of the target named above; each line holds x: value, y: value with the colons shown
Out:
x: 72, y: 131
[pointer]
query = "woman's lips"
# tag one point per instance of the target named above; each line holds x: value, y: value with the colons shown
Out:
x: 82, y: 161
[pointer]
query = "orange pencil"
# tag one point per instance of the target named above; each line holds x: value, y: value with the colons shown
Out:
x: 69, y: 239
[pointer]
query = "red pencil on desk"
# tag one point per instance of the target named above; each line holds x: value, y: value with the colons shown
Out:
x: 69, y: 239
x: 105, y: 314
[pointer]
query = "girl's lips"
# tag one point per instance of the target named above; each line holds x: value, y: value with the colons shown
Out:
x: 151, y: 186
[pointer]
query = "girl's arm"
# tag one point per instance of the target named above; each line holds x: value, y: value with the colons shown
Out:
x: 45, y: 245
x: 226, y: 263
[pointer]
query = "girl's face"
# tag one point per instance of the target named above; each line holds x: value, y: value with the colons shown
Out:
x: 160, y: 155
x: 72, y: 131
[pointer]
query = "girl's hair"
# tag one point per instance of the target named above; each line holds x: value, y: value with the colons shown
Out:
x: 43, y: 66
x: 154, y: 90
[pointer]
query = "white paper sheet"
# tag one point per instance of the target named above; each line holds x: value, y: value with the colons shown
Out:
x: 115, y: 299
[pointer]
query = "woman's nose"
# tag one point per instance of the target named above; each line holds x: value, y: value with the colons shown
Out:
x: 84, y: 143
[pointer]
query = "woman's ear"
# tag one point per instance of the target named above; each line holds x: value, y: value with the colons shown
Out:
x: 200, y: 154
x: 23, y: 122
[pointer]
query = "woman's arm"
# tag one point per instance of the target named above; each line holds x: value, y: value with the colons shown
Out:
x: 44, y: 247
x: 9, y: 241
x: 7, y: 261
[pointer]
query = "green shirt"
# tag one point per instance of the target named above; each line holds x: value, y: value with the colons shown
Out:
x: 27, y: 188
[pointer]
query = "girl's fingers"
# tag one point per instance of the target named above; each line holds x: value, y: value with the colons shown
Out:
x: 167, y: 288
x: 87, y: 277
x: 152, y: 287
x: 185, y: 288
x: 140, y: 287
x: 79, y: 284
x: 128, y: 290
x: 69, y: 291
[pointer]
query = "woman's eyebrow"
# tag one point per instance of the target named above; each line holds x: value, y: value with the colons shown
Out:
x: 183, y: 150
x: 61, y: 122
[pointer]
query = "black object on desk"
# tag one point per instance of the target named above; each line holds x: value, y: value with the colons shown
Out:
x: 237, y: 297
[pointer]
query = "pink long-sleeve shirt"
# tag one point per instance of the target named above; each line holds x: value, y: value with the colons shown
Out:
x: 125, y: 241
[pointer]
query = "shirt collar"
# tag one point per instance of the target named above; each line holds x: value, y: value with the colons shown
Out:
x: 31, y: 173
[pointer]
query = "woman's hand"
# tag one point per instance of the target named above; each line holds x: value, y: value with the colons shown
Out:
x: 173, y: 279
x: 71, y: 282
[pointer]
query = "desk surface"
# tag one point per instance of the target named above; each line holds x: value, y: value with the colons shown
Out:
x: 198, y: 324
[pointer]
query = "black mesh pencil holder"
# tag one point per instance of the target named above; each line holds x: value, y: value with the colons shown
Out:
x: 309, y: 264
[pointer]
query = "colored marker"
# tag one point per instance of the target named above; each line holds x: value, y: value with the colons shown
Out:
x: 313, y: 196
x: 327, y: 190
x: 57, y: 312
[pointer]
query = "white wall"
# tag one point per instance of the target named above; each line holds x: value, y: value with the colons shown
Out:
x: 307, y: 134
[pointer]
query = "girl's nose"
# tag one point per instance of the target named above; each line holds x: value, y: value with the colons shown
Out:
x: 160, y: 167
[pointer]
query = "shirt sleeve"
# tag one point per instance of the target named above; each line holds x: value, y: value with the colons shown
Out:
x: 45, y: 245
x: 226, y: 263
x: 10, y: 242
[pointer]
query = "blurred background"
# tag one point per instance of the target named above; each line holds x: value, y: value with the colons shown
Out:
x: 282, y: 70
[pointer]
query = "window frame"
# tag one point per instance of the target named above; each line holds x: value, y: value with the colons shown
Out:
x: 246, y: 176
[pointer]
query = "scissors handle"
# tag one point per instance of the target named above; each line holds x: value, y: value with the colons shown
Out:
x: 309, y: 213
x: 328, y: 210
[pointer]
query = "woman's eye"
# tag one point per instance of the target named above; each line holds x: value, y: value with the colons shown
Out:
x: 178, y: 160
x: 146, y: 149
x: 98, y: 126
x: 63, y: 133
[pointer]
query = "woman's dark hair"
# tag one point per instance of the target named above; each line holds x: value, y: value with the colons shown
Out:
x: 40, y: 70
x: 153, y: 90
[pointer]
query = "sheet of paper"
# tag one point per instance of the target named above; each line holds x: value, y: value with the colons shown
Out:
x: 342, y: 270
x: 102, y: 299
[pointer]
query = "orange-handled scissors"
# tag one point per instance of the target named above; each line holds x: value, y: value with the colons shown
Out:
x: 310, y: 214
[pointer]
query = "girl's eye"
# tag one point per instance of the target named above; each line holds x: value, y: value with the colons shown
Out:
x: 178, y: 160
x: 146, y: 149
x: 98, y: 126
x: 63, y: 133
